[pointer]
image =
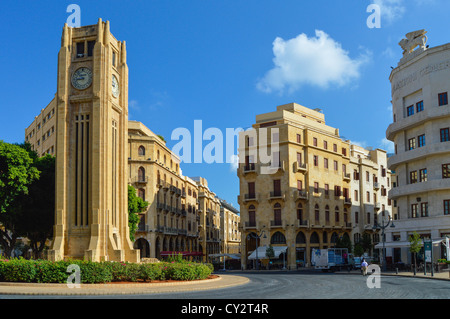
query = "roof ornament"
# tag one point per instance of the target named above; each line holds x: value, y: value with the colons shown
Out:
x: 413, y: 40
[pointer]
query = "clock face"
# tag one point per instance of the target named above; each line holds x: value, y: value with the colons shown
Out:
x: 82, y: 78
x: 115, y: 86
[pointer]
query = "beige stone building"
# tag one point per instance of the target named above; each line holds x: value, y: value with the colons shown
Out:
x: 171, y: 221
x: 209, y: 224
x: 420, y: 131
x: 370, y: 184
x: 230, y: 234
x: 303, y: 201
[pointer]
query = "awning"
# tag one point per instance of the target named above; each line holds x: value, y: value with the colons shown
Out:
x: 232, y: 256
x: 183, y: 253
x: 262, y: 252
x: 403, y: 244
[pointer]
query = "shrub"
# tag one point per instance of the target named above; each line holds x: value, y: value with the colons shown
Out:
x: 44, y: 271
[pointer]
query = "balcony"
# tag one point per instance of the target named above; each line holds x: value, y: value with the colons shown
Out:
x: 277, y: 224
x: 347, y: 225
x: 300, y: 195
x: 140, y: 180
x: 377, y: 205
x: 376, y: 186
x: 347, y: 202
x: 346, y: 177
x: 249, y: 168
x: 300, y: 167
x: 250, y: 225
x: 302, y: 223
x: 276, y: 195
x: 250, y: 197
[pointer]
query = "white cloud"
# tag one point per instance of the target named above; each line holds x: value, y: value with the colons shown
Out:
x: 234, y: 163
x: 318, y: 61
x: 387, y: 145
x: 390, y: 10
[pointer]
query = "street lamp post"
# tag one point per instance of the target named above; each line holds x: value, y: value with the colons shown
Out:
x: 257, y: 237
x: 377, y: 226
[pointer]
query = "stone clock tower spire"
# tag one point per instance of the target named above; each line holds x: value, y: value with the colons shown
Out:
x: 91, y: 163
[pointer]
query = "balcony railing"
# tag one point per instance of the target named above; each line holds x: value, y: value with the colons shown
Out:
x: 300, y: 194
x: 346, y: 176
x: 250, y: 197
x: 250, y: 167
x: 300, y: 167
x: 302, y: 223
x: 140, y: 180
x: 276, y: 195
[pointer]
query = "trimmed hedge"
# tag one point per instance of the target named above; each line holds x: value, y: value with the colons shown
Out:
x: 44, y: 271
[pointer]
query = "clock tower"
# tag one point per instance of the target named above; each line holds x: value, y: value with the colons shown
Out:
x: 91, y: 217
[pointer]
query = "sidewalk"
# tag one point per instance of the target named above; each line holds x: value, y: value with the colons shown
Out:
x: 223, y: 281
x: 437, y: 275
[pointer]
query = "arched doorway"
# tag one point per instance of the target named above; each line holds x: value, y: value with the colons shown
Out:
x: 143, y: 246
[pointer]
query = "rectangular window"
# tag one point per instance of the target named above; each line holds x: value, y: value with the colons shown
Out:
x: 299, y: 185
x: 443, y: 99
x: 299, y: 138
x: 410, y: 110
x: 447, y: 207
x: 344, y: 151
x: 325, y: 163
x: 91, y: 45
x: 413, y: 177
x: 414, y: 211
x: 356, y: 195
x: 423, y: 175
x: 327, y: 189
x: 335, y: 165
x: 424, y: 209
x: 421, y: 140
x: 114, y: 58
x: 446, y: 171
x: 334, y: 147
x: 412, y: 143
x: 299, y: 158
x: 445, y: 134
x: 80, y: 49
x: 356, y: 217
x: 368, y: 218
x: 314, y: 141
x: 316, y: 187
x: 316, y: 160
x: 419, y: 106
x: 325, y: 145
x: 337, y: 191
x: 368, y: 197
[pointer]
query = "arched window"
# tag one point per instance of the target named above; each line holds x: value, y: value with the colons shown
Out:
x: 141, y: 151
x: 278, y: 238
x: 334, y: 238
x: 300, y: 239
x: 325, y: 237
x: 141, y: 174
x: 314, y: 238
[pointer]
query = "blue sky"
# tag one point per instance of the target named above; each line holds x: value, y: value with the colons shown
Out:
x: 223, y: 62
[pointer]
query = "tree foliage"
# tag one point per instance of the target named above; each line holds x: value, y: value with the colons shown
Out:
x: 17, y: 173
x: 136, y: 205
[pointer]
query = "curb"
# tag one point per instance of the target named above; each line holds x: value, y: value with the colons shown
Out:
x: 120, y: 289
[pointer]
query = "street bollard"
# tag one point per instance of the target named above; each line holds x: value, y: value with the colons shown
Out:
x: 396, y: 271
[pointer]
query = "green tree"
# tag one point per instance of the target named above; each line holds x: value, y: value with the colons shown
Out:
x: 358, y: 250
x: 344, y: 242
x: 366, y: 242
x: 136, y: 205
x: 36, y: 211
x: 415, y: 245
x: 270, y: 253
x: 17, y: 172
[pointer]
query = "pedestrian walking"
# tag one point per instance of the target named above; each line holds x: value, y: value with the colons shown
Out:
x: 364, y: 266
